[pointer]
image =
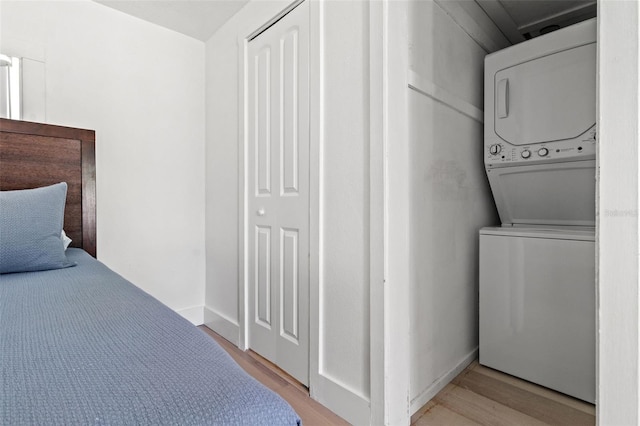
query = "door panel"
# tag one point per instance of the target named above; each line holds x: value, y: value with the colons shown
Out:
x: 263, y: 277
x: 289, y: 284
x: 278, y: 217
x: 262, y: 141
x: 289, y: 113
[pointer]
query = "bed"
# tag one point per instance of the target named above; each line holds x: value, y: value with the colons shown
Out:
x: 81, y: 345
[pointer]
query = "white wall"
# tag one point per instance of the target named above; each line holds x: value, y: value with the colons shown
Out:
x: 618, y: 242
x: 343, y: 369
x: 345, y: 200
x: 449, y: 197
x: 141, y: 88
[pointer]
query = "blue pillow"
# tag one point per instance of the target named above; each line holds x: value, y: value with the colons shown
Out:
x: 30, y: 229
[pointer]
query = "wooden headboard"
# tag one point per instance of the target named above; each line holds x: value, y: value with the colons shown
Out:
x: 34, y: 155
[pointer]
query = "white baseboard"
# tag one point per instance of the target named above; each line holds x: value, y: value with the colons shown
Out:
x: 222, y: 325
x: 195, y: 314
x: 439, y: 384
x: 338, y: 398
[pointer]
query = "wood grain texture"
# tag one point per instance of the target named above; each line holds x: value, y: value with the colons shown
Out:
x: 311, y: 412
x: 480, y: 395
x: 434, y: 414
x: 35, y: 154
x: 545, y: 409
x: 481, y: 409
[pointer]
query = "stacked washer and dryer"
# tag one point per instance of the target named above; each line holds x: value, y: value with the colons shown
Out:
x: 537, y: 270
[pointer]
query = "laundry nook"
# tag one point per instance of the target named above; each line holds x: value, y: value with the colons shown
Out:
x: 537, y: 271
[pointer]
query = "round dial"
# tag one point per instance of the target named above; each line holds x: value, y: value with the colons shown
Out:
x: 526, y: 154
x: 495, y: 149
x: 542, y: 152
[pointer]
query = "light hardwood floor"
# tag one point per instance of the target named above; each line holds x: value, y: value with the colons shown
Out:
x: 482, y: 396
x: 477, y: 396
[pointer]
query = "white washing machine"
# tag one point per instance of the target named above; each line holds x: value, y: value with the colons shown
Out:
x: 537, y: 306
x: 537, y: 271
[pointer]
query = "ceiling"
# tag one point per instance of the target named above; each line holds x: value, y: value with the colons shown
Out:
x: 196, y: 18
x: 519, y: 20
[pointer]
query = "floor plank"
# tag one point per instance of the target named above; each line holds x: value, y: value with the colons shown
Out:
x: 480, y: 395
x: 536, y: 406
x: 438, y: 415
x: 482, y: 409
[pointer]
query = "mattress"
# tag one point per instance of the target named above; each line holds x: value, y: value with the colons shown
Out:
x: 82, y: 345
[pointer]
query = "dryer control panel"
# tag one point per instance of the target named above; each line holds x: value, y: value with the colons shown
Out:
x: 499, y: 153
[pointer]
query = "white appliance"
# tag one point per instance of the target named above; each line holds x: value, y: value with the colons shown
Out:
x: 540, y: 128
x: 537, y: 271
x: 537, y: 306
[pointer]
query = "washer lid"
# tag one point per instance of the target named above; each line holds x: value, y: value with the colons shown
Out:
x: 559, y: 233
x: 545, y: 194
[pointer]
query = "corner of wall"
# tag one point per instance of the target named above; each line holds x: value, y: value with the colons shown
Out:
x: 432, y: 390
x: 194, y: 314
x: 343, y: 401
x: 222, y: 325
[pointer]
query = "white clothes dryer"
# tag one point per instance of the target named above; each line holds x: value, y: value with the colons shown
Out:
x: 540, y: 128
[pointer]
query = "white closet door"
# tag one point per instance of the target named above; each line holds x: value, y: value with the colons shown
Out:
x: 278, y: 199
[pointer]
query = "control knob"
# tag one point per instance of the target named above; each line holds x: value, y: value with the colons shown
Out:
x: 525, y: 154
x: 542, y: 152
x: 495, y: 149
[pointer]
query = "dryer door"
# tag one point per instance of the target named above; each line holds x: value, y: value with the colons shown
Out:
x: 545, y: 194
x: 547, y: 99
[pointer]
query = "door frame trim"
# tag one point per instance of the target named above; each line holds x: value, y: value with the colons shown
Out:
x: 315, y: 138
x: 390, y: 340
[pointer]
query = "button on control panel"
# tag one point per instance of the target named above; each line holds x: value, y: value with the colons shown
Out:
x: 499, y: 152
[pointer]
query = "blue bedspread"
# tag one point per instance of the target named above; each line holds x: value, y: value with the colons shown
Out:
x: 84, y: 346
